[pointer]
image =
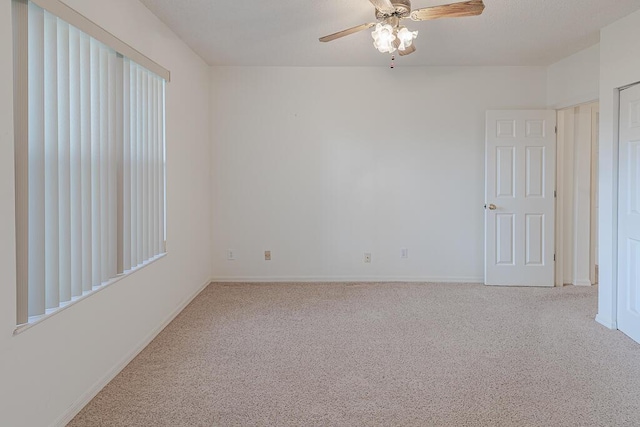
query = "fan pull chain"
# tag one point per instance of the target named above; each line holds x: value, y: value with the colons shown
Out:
x: 393, y: 58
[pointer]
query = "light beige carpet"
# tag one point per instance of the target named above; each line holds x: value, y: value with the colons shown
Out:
x: 379, y: 354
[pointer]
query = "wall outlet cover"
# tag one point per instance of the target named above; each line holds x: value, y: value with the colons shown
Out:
x: 267, y: 255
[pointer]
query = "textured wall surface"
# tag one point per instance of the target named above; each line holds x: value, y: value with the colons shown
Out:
x: 320, y: 165
x: 574, y: 80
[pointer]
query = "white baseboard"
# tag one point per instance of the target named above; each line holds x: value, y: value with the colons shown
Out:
x: 607, y: 322
x: 330, y: 279
x: 77, y: 406
x: 582, y: 283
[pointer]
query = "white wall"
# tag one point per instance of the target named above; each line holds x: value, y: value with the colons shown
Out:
x: 575, y: 79
x: 49, y: 368
x: 619, y: 66
x: 320, y: 165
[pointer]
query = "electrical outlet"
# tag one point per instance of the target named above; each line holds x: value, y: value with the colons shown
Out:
x: 367, y: 258
x: 231, y: 255
x: 267, y: 255
x: 404, y: 253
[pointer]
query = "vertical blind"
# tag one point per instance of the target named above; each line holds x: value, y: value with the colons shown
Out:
x: 89, y: 127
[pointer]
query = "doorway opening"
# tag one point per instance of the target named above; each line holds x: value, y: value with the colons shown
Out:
x: 577, y: 195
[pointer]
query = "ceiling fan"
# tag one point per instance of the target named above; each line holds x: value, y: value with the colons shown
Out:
x: 389, y: 35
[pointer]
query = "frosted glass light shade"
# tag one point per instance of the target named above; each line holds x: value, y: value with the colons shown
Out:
x: 406, y: 38
x: 383, y: 38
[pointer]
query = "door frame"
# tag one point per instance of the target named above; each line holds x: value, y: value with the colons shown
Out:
x: 612, y: 321
x: 565, y: 134
x: 609, y: 319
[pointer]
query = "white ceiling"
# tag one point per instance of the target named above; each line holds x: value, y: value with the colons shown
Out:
x: 285, y: 32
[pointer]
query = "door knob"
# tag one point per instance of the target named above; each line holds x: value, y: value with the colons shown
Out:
x: 492, y: 207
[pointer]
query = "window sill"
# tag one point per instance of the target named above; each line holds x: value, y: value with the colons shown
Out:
x: 35, y: 320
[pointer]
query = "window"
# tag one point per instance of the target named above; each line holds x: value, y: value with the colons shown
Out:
x: 89, y: 144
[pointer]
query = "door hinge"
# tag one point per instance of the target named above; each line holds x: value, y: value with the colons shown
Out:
x: 556, y: 129
x: 555, y: 193
x: 554, y: 257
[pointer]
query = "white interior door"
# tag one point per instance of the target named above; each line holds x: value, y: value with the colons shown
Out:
x: 629, y: 214
x: 520, y: 159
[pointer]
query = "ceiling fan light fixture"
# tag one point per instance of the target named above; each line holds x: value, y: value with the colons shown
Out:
x: 383, y: 38
x: 390, y: 36
x: 408, y: 50
x: 406, y: 38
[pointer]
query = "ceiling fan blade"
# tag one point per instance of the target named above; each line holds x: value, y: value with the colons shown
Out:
x: 454, y: 10
x: 347, y: 32
x: 407, y: 51
x: 384, y: 6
